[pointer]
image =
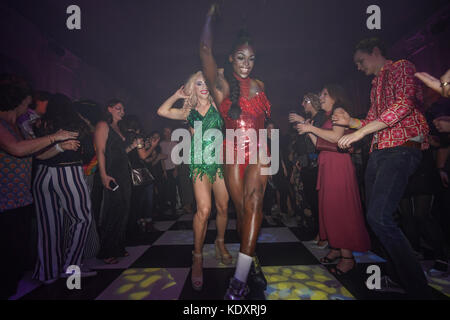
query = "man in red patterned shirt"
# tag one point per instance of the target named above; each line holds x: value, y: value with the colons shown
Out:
x: 400, y: 133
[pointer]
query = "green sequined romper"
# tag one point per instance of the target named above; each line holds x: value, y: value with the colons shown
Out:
x: 199, y: 166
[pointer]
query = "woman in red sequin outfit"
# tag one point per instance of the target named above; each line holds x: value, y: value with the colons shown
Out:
x: 243, y: 105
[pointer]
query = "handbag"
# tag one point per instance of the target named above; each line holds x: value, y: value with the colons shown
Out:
x: 141, y: 176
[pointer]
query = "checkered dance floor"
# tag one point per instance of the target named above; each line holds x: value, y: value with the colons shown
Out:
x: 158, y: 268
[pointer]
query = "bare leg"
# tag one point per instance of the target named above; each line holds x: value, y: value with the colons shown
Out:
x: 254, y: 187
x: 235, y: 187
x: 221, y: 198
x: 248, y: 196
x: 202, y: 191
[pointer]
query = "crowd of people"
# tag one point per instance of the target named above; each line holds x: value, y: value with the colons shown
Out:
x: 67, y: 191
x: 93, y: 178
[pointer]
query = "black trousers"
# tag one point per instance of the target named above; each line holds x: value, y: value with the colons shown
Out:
x: 309, y: 178
x: 269, y: 199
x: 139, y: 208
x: 15, y: 231
x: 170, y: 190
x: 114, y: 219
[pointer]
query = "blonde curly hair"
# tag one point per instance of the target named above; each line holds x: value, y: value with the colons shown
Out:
x: 192, y: 101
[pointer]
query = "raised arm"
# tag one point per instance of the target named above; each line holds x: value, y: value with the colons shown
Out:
x: 166, y: 110
x: 215, y: 80
x: 441, y: 86
x: 145, y: 153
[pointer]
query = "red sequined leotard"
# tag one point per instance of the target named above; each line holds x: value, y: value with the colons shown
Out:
x: 254, y: 112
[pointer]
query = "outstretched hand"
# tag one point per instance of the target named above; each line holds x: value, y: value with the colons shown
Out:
x: 62, y: 135
x: 346, y: 141
x: 435, y: 83
x: 293, y: 117
x: 429, y: 80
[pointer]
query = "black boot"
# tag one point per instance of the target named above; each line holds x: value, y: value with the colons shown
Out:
x: 256, y: 275
x: 256, y: 281
x: 237, y: 290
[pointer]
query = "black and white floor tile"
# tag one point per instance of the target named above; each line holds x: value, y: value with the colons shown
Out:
x: 158, y: 268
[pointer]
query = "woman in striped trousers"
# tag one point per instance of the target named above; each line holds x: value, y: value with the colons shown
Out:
x: 57, y: 191
x: 60, y: 190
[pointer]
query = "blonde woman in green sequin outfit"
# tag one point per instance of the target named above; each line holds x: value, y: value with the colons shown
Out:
x: 199, y: 106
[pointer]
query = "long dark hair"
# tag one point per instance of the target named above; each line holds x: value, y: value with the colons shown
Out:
x: 61, y: 114
x: 235, y: 91
x: 339, y: 95
x: 109, y: 104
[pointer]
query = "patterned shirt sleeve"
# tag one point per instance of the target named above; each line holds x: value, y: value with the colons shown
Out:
x: 371, y: 116
x: 405, y: 93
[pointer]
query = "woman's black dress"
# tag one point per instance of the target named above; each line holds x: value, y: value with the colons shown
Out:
x: 116, y: 204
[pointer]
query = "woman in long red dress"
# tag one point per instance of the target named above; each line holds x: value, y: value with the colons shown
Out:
x: 341, y: 217
x: 243, y: 105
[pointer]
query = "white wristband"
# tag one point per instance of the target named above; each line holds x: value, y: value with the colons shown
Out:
x: 58, y: 148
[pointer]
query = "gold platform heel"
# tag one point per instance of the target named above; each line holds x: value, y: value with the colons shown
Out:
x: 225, y: 258
x: 197, y: 282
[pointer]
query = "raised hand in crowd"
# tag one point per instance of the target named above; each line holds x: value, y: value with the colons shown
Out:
x: 154, y: 141
x: 442, y: 86
x: 293, y: 117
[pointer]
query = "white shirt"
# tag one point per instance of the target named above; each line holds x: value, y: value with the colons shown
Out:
x: 166, y: 148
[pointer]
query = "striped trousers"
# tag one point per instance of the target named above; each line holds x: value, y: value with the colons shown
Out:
x: 60, y: 191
